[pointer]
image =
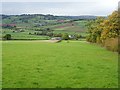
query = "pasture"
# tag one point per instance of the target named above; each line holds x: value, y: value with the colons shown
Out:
x: 77, y: 64
x: 24, y: 35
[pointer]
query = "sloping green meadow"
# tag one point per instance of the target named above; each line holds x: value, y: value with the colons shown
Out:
x: 76, y: 64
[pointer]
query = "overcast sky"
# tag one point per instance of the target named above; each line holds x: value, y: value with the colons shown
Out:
x: 62, y: 7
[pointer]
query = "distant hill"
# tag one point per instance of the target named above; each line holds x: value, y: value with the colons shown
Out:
x: 40, y: 19
x: 46, y: 17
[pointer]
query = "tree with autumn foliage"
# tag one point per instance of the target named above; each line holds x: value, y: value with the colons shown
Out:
x: 94, y: 30
x: 101, y: 29
x: 111, y: 26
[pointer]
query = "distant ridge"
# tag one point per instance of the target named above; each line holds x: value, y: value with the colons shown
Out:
x: 51, y: 17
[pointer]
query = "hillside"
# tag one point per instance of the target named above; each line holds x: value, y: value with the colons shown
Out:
x: 39, y: 18
x: 38, y: 26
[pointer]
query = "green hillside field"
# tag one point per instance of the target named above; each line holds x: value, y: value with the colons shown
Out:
x: 73, y: 64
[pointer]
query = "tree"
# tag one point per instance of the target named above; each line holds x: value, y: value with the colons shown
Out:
x: 65, y: 36
x: 50, y: 34
x: 94, y: 29
x: 44, y: 32
x: 102, y: 30
x: 77, y: 36
x: 7, y: 37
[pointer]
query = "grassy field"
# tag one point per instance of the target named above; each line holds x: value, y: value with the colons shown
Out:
x: 24, y: 35
x: 77, y: 64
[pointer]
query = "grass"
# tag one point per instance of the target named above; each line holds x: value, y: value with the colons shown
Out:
x: 76, y: 64
x: 24, y: 35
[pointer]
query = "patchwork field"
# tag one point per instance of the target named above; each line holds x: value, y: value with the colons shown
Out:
x: 77, y: 64
x: 77, y: 27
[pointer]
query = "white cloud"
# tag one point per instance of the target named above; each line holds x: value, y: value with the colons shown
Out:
x: 83, y: 7
x: 108, y: 1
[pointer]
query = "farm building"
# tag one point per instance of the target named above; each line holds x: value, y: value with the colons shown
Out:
x: 71, y: 36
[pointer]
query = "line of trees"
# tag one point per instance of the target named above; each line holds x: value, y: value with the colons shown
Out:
x: 102, y: 29
x: 50, y: 33
x: 64, y: 36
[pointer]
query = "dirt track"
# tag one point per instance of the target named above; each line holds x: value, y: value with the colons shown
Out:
x: 51, y: 41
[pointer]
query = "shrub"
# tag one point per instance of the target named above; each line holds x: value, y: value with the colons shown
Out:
x: 44, y: 32
x: 57, y: 35
x: 111, y: 44
x: 7, y: 37
x: 65, y: 36
x: 77, y: 36
x: 30, y: 33
x: 50, y: 34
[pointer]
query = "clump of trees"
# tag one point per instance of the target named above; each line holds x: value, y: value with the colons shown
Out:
x: 102, y: 29
x: 47, y: 32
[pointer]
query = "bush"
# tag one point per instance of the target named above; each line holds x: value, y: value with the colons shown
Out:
x: 57, y: 35
x: 7, y: 37
x: 50, y: 34
x: 30, y: 33
x: 44, y: 32
x: 65, y: 36
x: 77, y: 36
x: 111, y: 44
